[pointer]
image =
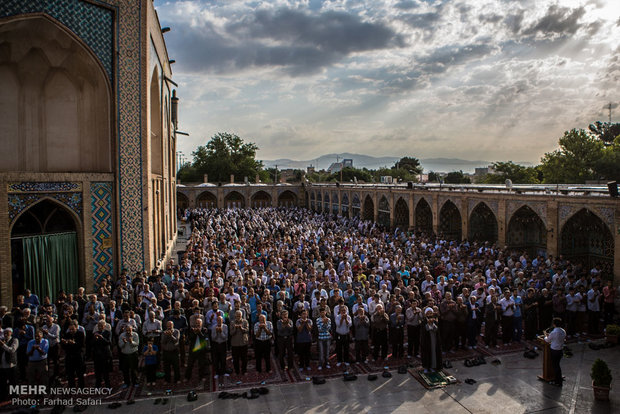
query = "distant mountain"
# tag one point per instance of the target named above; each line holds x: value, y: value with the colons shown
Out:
x: 372, y: 163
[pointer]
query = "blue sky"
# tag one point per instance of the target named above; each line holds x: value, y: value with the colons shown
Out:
x: 494, y: 80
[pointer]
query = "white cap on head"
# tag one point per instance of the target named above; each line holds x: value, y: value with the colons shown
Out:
x: 427, y: 310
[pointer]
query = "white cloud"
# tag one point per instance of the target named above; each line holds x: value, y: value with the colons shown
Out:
x: 492, y: 80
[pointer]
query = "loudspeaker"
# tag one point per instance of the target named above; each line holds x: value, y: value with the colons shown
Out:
x: 613, y: 188
x: 410, y: 185
x: 337, y: 184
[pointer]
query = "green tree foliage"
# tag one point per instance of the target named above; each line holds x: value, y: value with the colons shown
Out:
x: 576, y: 159
x: 605, y: 131
x: 517, y: 173
x: 456, y: 177
x: 433, y: 177
x: 409, y: 164
x: 608, y: 166
x: 348, y: 173
x: 223, y: 155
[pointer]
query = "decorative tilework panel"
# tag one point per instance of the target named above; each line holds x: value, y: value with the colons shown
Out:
x: 20, y: 202
x: 101, y: 199
x: 38, y: 187
x: 91, y: 23
x: 132, y: 235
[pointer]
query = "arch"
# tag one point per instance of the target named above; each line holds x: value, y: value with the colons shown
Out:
x: 383, y: 213
x: 287, y: 199
x: 182, y: 201
x: 206, y: 199
x: 423, y: 217
x: 586, y: 240
x: 45, y: 240
x: 319, y: 201
x: 155, y: 136
x: 234, y: 199
x: 527, y: 232
x: 450, y: 221
x: 401, y: 214
x: 369, y: 208
x: 482, y: 224
x: 260, y: 199
x: 62, y: 95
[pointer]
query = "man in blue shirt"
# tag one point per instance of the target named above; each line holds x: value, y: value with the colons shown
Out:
x: 518, y: 316
x: 37, y: 359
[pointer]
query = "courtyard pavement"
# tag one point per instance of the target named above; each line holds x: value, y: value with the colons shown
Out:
x: 511, y: 387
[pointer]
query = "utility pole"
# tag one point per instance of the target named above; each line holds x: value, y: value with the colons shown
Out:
x: 610, y: 112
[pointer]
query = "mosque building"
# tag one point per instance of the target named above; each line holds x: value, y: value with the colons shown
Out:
x: 87, y: 149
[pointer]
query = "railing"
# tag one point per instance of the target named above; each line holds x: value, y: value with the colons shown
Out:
x: 550, y: 189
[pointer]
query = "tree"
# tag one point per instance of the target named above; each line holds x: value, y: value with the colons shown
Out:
x: 433, y: 177
x: 575, y: 160
x: 605, y: 131
x: 608, y: 166
x: 517, y: 173
x: 456, y: 177
x: 409, y: 164
x: 227, y: 154
x: 348, y: 173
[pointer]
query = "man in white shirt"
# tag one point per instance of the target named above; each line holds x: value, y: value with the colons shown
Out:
x: 556, y: 338
x: 508, y: 306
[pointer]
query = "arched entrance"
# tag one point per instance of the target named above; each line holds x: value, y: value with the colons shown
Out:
x: 424, y: 218
x: 319, y: 202
x: 369, y: 208
x: 586, y: 239
x: 206, y: 200
x: 527, y: 232
x: 326, y: 203
x: 287, y: 199
x: 450, y: 221
x: 401, y: 214
x: 234, y: 200
x: 482, y: 224
x: 312, y: 206
x: 182, y: 201
x: 383, y: 214
x: 260, y: 199
x: 356, y: 205
x: 44, y: 250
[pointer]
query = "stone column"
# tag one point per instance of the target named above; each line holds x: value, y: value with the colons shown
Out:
x: 391, y: 199
x: 553, y: 230
x: 435, y: 210
x: 464, y: 218
x: 411, y: 211
x: 501, y: 222
x: 375, y: 204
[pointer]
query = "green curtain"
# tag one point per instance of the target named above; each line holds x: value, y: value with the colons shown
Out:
x: 51, y: 264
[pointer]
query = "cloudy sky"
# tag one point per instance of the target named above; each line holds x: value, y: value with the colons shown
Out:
x: 493, y: 80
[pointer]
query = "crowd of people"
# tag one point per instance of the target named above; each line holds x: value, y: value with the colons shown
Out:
x: 290, y: 282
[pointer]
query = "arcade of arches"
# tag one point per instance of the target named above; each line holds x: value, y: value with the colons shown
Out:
x: 584, y: 231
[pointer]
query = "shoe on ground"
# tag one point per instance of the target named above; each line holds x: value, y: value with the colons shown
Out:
x: 320, y: 368
x: 227, y: 375
x: 339, y: 364
x: 216, y: 376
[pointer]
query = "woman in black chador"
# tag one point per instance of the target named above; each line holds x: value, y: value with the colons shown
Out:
x: 430, y: 343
